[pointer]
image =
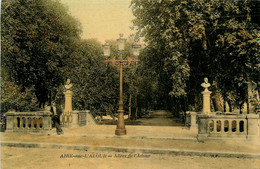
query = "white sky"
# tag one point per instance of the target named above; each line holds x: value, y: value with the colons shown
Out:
x: 102, y: 19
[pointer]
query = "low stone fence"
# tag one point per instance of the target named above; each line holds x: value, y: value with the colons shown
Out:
x: 28, y: 121
x: 80, y: 118
x: 241, y: 126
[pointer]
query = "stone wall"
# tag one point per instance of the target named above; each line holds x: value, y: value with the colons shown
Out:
x: 90, y: 119
x: 82, y: 118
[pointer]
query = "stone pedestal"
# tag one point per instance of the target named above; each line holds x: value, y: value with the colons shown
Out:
x: 47, y: 121
x: 253, y: 128
x: 206, y: 102
x: 193, y: 121
x: 66, y: 117
x: 68, y: 101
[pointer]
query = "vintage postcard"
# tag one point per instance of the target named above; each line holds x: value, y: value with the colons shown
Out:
x: 143, y: 84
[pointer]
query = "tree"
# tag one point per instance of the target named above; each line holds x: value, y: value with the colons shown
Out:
x: 13, y: 99
x: 193, y: 39
x: 95, y: 85
x: 37, y: 36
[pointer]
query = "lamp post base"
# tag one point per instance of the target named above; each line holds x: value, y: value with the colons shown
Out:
x: 120, y: 132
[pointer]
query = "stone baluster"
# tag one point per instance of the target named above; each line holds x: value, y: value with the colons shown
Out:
x: 21, y: 122
x: 222, y: 126
x: 213, y: 125
x: 30, y: 122
x: 229, y: 126
x: 37, y: 123
x: 26, y: 123
x: 237, y: 126
x: 34, y: 123
x: 216, y: 126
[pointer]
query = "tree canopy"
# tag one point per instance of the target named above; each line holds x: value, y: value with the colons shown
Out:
x: 37, y: 37
x: 185, y: 42
x: 192, y: 39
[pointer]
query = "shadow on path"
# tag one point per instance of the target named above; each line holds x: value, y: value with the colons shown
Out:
x: 160, y: 118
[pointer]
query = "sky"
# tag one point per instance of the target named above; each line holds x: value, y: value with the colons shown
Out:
x: 102, y: 19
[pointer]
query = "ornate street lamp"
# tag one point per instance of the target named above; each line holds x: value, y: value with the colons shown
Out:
x: 121, y: 63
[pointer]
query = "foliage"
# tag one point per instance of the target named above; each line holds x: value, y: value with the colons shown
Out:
x: 37, y: 36
x: 13, y: 98
x: 41, y: 49
x: 94, y: 84
x: 193, y: 39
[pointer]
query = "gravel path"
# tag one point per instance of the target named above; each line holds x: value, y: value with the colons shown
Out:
x: 24, y: 158
x: 160, y: 118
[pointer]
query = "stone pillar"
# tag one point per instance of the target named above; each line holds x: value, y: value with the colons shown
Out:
x: 75, y: 118
x: 193, y: 121
x: 206, y: 97
x: 252, y: 127
x: 10, y: 121
x: 47, y: 122
x: 203, y: 127
x: 187, y: 119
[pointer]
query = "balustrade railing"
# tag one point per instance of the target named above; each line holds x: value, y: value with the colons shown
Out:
x: 28, y: 121
x: 228, y: 126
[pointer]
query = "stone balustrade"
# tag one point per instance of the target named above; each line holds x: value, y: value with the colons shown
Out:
x: 28, y: 121
x: 66, y: 119
x: 227, y: 126
x: 241, y: 126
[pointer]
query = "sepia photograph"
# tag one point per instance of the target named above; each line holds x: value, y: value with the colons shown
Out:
x: 130, y: 84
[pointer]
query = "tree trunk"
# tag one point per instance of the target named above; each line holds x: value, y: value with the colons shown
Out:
x: 136, y: 108
x: 247, y: 105
x: 129, y: 115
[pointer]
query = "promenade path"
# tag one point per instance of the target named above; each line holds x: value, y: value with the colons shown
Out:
x: 159, y: 118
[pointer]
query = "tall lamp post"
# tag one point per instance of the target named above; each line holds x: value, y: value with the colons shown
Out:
x: 121, y: 63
